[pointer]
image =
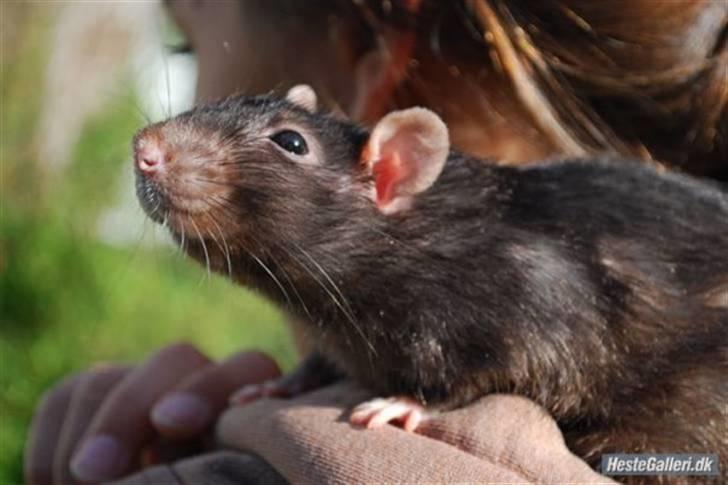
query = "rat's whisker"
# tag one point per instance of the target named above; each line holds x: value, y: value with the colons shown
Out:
x: 344, y: 307
x: 325, y: 274
x: 391, y: 237
x: 183, y: 241
x: 204, y: 247
x: 259, y: 261
x: 223, y: 204
x: 142, y: 113
x: 211, y: 181
x: 272, y: 275
x: 225, y: 245
x: 232, y: 137
x: 303, y: 265
x: 291, y: 283
x: 213, y: 237
x: 286, y: 275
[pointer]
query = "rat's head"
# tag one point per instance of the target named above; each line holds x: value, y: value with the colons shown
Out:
x: 248, y: 172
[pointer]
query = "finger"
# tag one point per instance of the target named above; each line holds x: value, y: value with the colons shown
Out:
x: 90, y: 392
x: 45, y: 432
x: 193, y: 405
x: 121, y: 426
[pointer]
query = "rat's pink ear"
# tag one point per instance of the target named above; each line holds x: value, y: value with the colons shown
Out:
x: 405, y: 154
x: 304, y: 96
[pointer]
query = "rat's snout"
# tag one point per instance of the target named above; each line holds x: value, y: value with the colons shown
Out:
x: 179, y: 172
x: 149, y: 155
x: 150, y: 159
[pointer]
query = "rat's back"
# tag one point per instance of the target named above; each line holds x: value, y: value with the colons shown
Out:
x: 616, y: 280
x: 655, y: 232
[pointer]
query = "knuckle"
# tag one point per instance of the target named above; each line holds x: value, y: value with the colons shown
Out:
x: 256, y: 359
x: 98, y: 384
x: 254, y: 355
x: 61, y: 391
x: 184, y: 351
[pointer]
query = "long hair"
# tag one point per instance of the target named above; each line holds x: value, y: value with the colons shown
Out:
x: 645, y: 79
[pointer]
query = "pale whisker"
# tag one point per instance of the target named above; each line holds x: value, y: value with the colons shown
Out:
x: 345, y: 310
x: 204, y: 247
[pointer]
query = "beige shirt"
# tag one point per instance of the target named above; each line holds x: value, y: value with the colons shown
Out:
x: 501, y: 438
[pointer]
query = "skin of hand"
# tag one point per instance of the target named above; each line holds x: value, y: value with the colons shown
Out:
x: 98, y: 425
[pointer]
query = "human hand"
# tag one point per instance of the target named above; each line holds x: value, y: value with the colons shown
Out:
x: 108, y: 421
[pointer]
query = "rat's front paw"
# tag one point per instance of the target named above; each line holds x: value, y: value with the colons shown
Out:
x: 380, y: 411
x: 314, y: 372
x: 281, y: 387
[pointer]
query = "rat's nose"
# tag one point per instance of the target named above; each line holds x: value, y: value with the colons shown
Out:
x: 149, y: 157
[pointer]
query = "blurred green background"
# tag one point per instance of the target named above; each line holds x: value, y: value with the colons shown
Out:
x: 68, y: 299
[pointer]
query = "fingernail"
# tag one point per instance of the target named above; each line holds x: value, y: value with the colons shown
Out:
x: 246, y: 394
x: 182, y: 410
x: 100, y: 458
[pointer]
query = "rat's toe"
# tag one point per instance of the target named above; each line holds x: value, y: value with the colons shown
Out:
x: 378, y: 412
x: 366, y: 410
x: 282, y: 387
x: 247, y: 394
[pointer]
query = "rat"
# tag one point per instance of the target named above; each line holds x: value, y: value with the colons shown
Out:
x: 596, y: 287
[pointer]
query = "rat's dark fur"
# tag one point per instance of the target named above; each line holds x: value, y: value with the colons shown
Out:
x: 597, y: 288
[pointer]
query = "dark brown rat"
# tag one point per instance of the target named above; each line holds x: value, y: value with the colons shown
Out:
x: 597, y: 288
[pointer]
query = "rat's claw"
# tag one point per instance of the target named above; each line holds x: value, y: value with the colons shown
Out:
x: 380, y: 411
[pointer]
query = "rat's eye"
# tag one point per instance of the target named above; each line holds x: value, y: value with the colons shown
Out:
x: 291, y: 141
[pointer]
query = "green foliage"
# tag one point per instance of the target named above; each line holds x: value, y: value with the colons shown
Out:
x: 68, y: 300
